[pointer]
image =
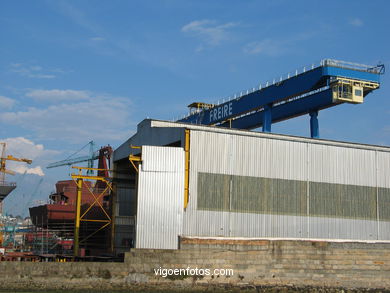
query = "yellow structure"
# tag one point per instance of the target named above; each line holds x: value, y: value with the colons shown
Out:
x: 187, y: 166
x: 79, y: 179
x: 350, y: 90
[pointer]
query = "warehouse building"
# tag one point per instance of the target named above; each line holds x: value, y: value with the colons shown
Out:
x: 187, y: 180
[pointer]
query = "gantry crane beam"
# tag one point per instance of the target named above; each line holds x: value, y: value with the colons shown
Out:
x: 331, y: 83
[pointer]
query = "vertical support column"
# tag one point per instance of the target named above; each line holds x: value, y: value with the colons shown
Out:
x: 187, y: 166
x: 77, y: 220
x: 112, y: 203
x: 267, y: 118
x: 314, y: 127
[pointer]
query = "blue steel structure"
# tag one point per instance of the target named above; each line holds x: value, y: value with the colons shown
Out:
x: 329, y: 84
x: 93, y: 155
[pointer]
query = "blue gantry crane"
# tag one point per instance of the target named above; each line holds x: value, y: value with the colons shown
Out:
x: 330, y: 83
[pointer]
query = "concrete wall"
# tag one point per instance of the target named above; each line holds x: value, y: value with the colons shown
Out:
x: 264, y: 262
x: 256, y: 263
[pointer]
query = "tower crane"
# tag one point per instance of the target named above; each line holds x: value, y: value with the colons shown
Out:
x: 93, y: 155
x: 6, y: 188
x: 104, y: 152
x: 4, y: 159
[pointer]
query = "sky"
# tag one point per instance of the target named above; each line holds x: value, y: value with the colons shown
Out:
x: 76, y: 71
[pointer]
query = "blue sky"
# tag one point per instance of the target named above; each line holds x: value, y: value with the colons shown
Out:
x: 75, y: 71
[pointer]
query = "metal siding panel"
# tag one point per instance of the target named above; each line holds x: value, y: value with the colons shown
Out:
x: 161, y: 159
x: 160, y: 200
x: 231, y: 154
x: 262, y: 157
x: 383, y: 159
x: 332, y: 164
x: 383, y: 173
x: 246, y: 156
x: 336, y: 228
x: 384, y: 230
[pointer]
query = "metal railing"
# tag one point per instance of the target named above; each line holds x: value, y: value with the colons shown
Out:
x: 355, y: 66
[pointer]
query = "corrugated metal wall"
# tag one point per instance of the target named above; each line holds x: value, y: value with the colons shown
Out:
x: 246, y: 186
x: 160, y: 197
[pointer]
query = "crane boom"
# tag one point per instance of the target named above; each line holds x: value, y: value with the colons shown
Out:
x: 93, y: 155
x: 4, y: 159
x: 12, y: 158
x: 73, y: 161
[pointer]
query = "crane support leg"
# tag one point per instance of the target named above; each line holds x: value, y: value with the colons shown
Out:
x: 267, y: 118
x: 77, y: 220
x: 314, y: 127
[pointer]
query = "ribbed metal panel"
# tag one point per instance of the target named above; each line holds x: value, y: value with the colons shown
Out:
x: 248, y: 156
x: 334, y: 164
x: 245, y: 158
x: 160, y: 198
x: 313, y: 190
x: 161, y: 159
x: 339, y: 228
x: 383, y: 172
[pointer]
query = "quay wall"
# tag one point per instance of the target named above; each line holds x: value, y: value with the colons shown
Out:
x: 255, y: 264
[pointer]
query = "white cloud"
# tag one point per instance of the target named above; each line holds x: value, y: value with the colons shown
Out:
x: 35, y: 71
x: 58, y: 95
x: 6, y: 103
x: 21, y: 147
x: 23, y: 169
x: 209, y: 31
x: 266, y: 47
x: 356, y: 22
x: 76, y: 120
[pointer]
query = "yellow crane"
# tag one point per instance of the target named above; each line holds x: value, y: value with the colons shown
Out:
x: 6, y: 188
x: 4, y: 159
